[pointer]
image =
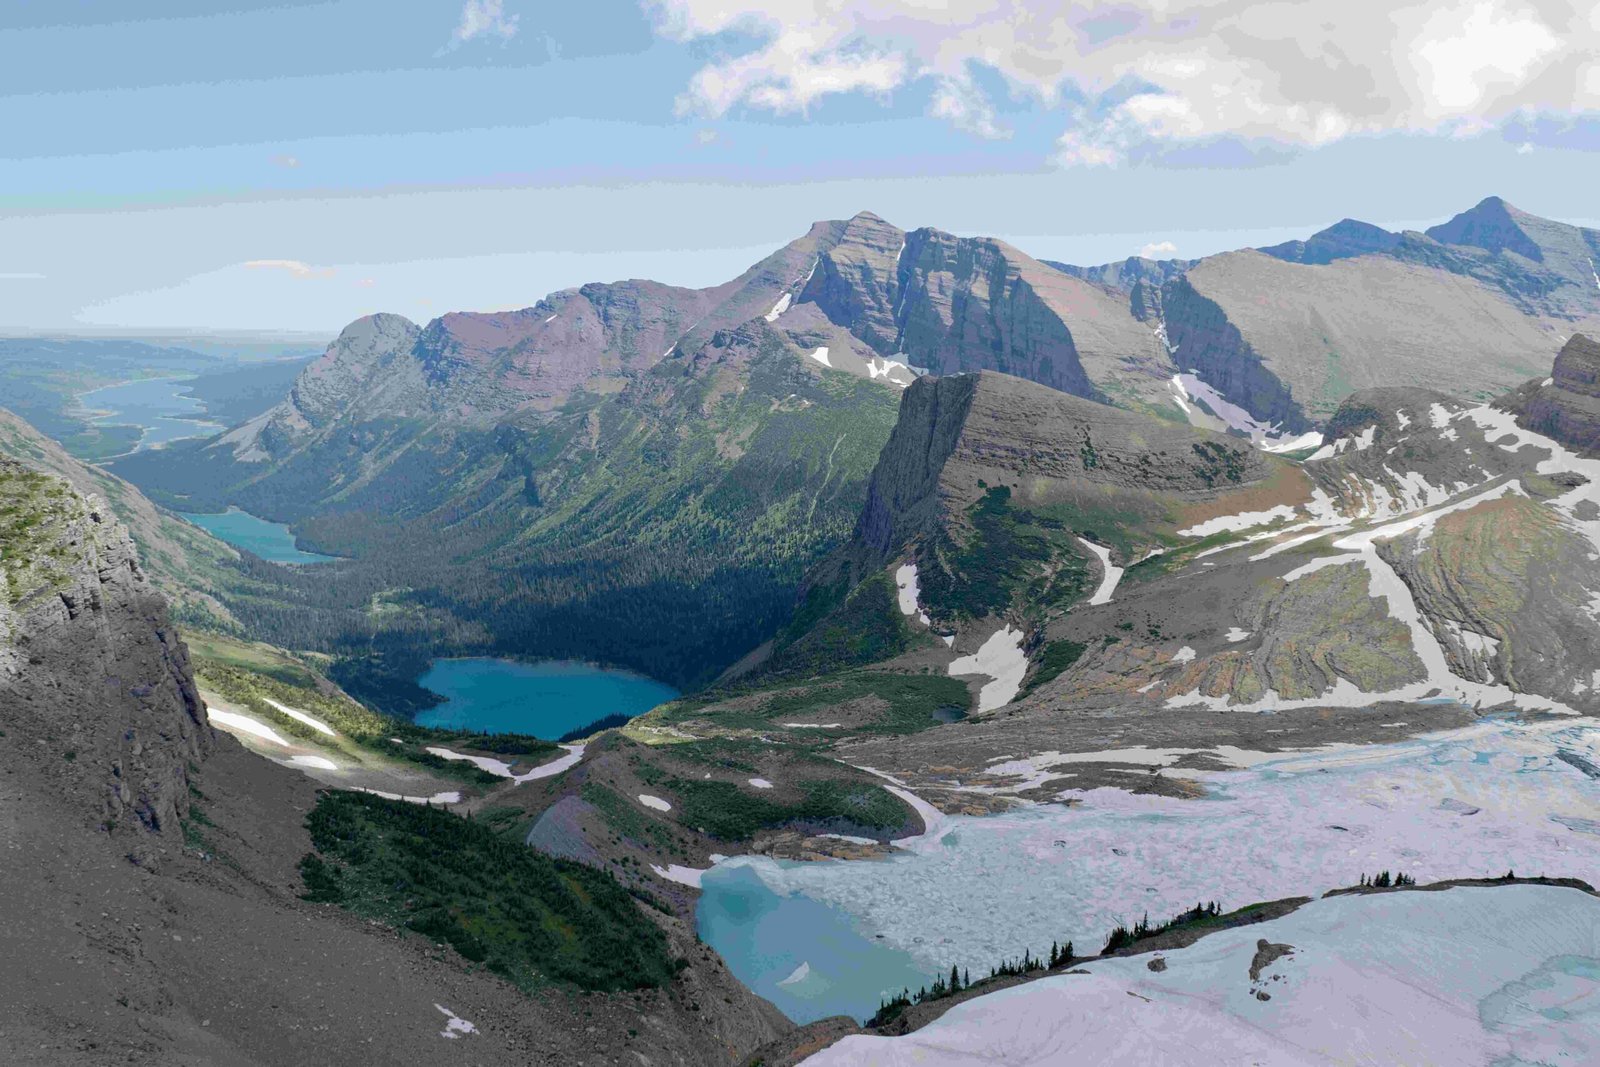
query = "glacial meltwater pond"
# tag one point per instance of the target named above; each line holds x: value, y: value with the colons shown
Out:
x: 1475, y: 802
x: 545, y: 699
x: 272, y: 541
x: 161, y: 408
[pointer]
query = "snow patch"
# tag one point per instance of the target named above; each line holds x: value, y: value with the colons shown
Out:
x: 503, y: 769
x: 1183, y: 655
x: 316, y: 763
x: 300, y: 716
x: 779, y: 308
x: 1109, y: 575
x: 654, y: 803
x: 821, y: 356
x: 672, y: 872
x: 1242, y: 521
x: 455, y: 1026
x: 235, y: 723
x: 1002, y: 659
x: 761, y: 783
x: 1263, y: 435
x: 1236, y: 635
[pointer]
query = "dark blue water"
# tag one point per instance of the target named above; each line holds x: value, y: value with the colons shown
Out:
x: 272, y: 541
x: 160, y: 407
x: 546, y: 699
x: 766, y: 938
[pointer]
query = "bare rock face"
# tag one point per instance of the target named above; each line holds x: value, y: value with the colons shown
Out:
x: 857, y: 283
x: 95, y: 685
x: 1568, y: 409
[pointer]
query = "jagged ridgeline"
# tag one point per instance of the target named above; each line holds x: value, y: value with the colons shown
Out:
x: 642, y: 473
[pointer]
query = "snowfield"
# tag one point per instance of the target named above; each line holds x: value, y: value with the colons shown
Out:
x: 1505, y: 975
x: 1285, y: 825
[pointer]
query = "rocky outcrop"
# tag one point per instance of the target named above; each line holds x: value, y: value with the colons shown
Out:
x: 95, y: 686
x: 1128, y: 273
x: 1568, y: 408
x: 960, y: 438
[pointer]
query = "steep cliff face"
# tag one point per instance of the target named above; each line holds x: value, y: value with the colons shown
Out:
x: 857, y: 283
x: 95, y: 687
x: 1205, y: 340
x: 1289, y: 341
x: 1568, y: 408
x: 991, y: 485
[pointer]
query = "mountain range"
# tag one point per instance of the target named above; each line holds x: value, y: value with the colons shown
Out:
x: 617, y: 445
x: 922, y: 525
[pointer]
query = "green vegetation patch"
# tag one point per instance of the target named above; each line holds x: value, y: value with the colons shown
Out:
x: 528, y: 917
x: 1011, y: 554
x: 727, y: 811
x: 250, y: 688
x: 865, y: 626
x: 35, y: 511
x: 1054, y: 660
x: 895, y: 703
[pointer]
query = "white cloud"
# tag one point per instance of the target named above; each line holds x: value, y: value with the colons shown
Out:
x: 485, y: 18
x: 1161, y: 72
x: 293, y: 267
x: 1159, y: 250
x: 1525, y: 148
x: 285, y: 160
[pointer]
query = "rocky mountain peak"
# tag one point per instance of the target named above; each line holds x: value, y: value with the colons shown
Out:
x: 1492, y: 225
x: 1343, y: 240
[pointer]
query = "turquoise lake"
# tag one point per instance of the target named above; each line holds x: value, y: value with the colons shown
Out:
x: 546, y: 699
x: 809, y: 959
x: 161, y: 407
x: 272, y: 541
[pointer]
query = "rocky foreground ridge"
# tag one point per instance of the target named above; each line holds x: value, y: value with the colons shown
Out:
x: 90, y: 662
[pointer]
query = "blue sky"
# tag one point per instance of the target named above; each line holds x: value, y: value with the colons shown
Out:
x: 289, y: 166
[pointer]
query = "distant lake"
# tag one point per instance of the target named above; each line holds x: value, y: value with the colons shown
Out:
x: 545, y: 699
x: 272, y: 541
x: 160, y: 407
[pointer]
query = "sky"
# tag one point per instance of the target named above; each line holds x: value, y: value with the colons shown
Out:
x: 285, y: 167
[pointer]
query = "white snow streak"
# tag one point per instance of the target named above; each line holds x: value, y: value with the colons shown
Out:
x: 296, y: 713
x: 1109, y: 575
